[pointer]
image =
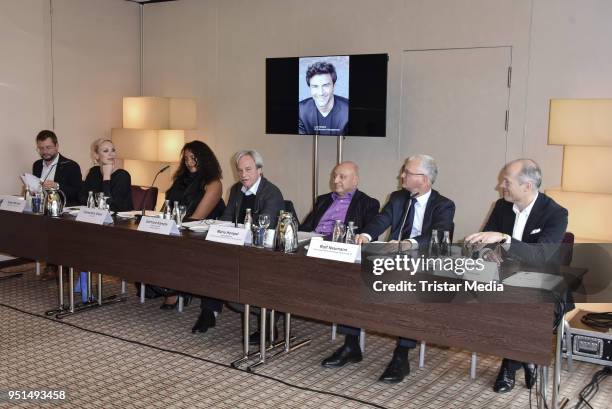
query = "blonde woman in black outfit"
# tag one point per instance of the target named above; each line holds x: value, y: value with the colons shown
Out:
x: 106, y: 177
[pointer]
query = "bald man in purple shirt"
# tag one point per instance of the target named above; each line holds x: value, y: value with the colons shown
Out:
x: 345, y: 203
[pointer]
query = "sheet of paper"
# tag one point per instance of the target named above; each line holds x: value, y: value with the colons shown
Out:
x: 532, y: 279
x: 31, y: 181
x: 208, y: 223
x: 304, y: 236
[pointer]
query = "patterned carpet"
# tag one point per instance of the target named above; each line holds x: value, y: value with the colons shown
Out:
x: 132, y: 355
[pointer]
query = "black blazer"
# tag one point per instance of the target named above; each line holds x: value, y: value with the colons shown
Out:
x: 118, y: 188
x: 546, y: 225
x: 361, y: 210
x: 67, y: 175
x: 439, y: 214
x: 268, y: 200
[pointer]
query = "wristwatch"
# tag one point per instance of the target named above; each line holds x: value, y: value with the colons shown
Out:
x: 507, y: 238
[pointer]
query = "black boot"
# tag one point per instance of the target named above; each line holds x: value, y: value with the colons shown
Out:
x: 350, y: 352
x: 505, y: 378
x: 205, y: 320
x: 398, y: 368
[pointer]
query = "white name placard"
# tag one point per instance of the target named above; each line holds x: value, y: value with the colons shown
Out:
x: 227, y: 234
x: 333, y: 251
x: 94, y: 216
x: 488, y: 274
x: 158, y: 226
x: 13, y: 204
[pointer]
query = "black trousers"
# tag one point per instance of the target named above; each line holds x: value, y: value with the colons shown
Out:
x: 213, y: 304
x: 401, y: 342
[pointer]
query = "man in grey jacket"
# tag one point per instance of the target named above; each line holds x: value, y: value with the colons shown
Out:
x: 253, y: 191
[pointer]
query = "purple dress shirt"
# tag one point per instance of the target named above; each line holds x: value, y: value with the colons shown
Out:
x: 337, y: 211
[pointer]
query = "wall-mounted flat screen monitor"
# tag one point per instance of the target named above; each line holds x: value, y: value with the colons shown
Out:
x: 327, y: 95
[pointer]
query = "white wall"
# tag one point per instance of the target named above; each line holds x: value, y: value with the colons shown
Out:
x: 217, y: 49
x: 25, y: 85
x: 571, y: 57
x: 95, y: 63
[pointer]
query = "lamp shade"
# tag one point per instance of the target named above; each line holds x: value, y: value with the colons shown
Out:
x: 588, y: 214
x: 580, y: 122
x: 169, y: 145
x: 139, y: 144
x: 587, y: 169
x: 159, y: 113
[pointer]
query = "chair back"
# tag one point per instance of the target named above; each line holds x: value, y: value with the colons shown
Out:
x: 138, y: 195
x: 291, y: 209
x: 567, y: 249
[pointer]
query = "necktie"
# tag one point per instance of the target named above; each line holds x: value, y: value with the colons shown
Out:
x: 409, y: 220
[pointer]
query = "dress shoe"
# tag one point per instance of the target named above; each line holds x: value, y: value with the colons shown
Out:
x: 505, y: 380
x: 254, y: 337
x: 397, y: 369
x: 169, y: 306
x: 530, y: 374
x: 343, y: 355
x: 205, y: 320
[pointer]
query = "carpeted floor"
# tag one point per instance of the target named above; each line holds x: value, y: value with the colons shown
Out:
x: 132, y: 355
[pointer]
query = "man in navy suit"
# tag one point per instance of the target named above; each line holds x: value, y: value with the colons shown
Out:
x: 345, y: 203
x: 529, y: 224
x: 56, y: 170
x: 412, y: 213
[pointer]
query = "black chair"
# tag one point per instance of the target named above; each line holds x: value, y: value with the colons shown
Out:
x: 291, y: 209
x: 138, y: 195
x: 567, y: 249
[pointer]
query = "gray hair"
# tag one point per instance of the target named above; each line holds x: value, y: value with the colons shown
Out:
x: 530, y: 172
x: 428, y: 166
x: 253, y: 154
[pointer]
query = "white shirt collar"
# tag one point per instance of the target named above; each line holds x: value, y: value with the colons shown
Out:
x: 53, y: 162
x: 252, y: 190
x: 422, y: 200
x: 526, y: 211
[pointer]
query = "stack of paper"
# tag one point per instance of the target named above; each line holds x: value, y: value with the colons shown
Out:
x: 31, y: 182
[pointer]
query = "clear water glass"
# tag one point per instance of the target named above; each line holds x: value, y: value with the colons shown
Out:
x: 339, y: 231
x: 182, y: 211
x: 264, y: 221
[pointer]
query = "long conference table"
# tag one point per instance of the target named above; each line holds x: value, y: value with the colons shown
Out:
x: 309, y: 287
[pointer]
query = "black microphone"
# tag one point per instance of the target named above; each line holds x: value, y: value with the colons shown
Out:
x: 144, y: 198
x: 399, y: 237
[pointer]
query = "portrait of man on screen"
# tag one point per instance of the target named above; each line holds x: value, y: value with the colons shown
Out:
x: 325, y: 111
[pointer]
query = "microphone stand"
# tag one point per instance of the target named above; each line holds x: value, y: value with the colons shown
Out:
x: 144, y: 198
x: 399, y: 237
